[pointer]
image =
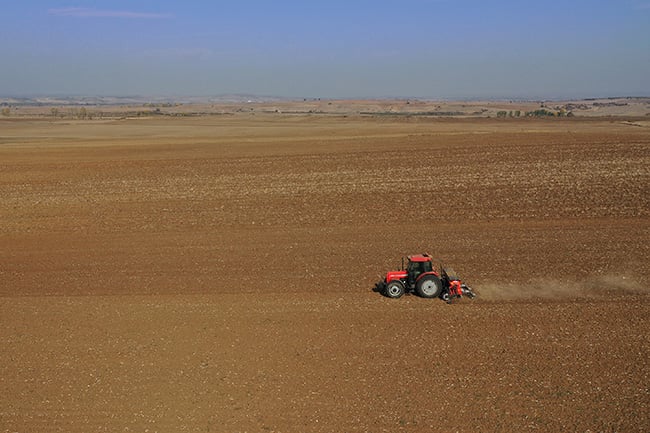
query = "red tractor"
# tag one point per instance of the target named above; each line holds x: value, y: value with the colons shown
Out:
x: 420, y: 277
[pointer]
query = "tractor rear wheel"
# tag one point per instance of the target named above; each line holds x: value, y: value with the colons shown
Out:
x: 428, y: 286
x: 394, y: 289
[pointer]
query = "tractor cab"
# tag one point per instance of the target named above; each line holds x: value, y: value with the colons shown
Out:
x: 418, y: 265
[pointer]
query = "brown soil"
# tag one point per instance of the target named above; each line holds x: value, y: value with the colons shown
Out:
x: 215, y: 274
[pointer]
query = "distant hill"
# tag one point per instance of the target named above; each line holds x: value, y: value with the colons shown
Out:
x: 99, y: 107
x: 136, y: 100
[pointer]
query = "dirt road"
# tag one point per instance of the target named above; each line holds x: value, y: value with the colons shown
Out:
x: 215, y: 274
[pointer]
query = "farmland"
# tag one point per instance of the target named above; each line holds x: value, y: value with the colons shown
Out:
x: 215, y: 273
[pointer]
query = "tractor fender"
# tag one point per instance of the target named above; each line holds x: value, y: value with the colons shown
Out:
x: 424, y: 274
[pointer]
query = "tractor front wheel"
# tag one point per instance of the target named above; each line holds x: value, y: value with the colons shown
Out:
x: 428, y: 287
x: 394, y: 289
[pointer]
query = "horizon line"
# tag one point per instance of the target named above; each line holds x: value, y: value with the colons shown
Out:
x: 260, y: 98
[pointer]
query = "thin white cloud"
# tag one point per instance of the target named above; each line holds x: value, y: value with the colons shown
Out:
x: 98, y: 13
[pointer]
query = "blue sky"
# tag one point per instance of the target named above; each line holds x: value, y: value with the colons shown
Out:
x: 327, y: 48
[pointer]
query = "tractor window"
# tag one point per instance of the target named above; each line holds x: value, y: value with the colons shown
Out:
x: 419, y: 267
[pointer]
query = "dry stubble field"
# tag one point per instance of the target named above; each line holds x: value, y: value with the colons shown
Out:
x: 215, y: 274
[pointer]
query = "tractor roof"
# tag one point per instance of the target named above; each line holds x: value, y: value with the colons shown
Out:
x: 420, y: 258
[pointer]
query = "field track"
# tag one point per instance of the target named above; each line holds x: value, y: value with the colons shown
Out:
x: 214, y: 274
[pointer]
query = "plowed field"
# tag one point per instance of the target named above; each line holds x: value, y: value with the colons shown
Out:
x: 215, y: 274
